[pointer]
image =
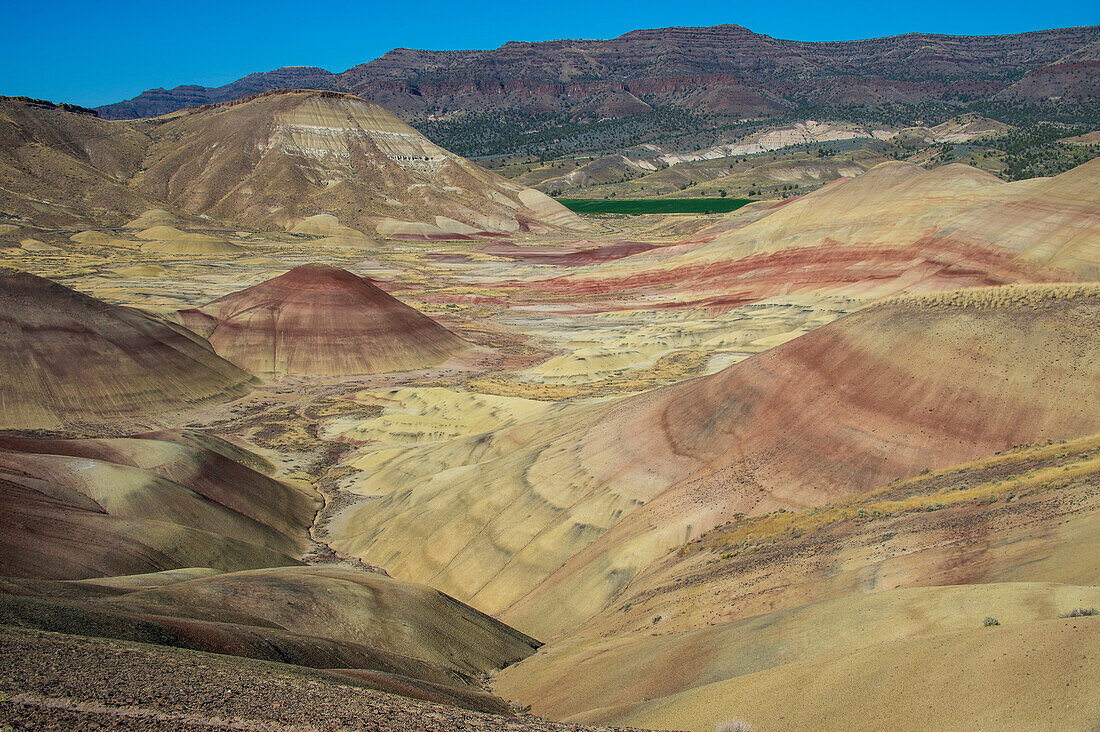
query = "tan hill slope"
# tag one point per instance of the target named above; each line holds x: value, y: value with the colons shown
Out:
x: 280, y: 157
x: 910, y: 565
x: 1033, y: 675
x: 1024, y: 515
x: 897, y: 227
x: 321, y: 321
x: 60, y: 164
x: 547, y: 522
x: 817, y: 659
x: 264, y: 162
x: 881, y: 394
x: 72, y: 358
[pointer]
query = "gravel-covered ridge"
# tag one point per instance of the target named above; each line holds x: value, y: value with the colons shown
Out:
x: 54, y: 681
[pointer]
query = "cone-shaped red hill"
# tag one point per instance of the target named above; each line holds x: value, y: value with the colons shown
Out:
x: 319, y: 320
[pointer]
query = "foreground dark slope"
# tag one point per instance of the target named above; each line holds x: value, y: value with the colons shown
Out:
x: 92, y: 683
x: 389, y: 634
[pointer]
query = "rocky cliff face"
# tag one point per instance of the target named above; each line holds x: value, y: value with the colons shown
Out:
x: 727, y: 70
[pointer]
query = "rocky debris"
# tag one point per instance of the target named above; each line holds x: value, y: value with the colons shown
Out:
x: 54, y: 681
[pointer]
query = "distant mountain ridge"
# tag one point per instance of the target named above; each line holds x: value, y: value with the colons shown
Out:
x: 726, y: 70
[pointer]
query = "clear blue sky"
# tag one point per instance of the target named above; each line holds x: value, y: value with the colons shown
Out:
x: 93, y: 53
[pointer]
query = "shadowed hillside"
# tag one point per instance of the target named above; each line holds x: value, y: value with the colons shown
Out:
x: 71, y: 358
x: 165, y: 501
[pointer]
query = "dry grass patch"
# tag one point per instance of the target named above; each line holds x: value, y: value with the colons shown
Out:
x: 1081, y: 612
x: 997, y: 298
x: 669, y: 368
x: 1026, y: 470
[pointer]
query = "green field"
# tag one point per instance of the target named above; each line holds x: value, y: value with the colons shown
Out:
x: 653, y: 205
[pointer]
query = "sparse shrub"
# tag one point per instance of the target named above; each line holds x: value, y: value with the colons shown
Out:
x: 990, y: 621
x: 1014, y: 296
x: 1081, y: 612
x: 733, y: 725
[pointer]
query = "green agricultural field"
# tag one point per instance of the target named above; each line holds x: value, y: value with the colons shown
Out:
x: 653, y: 205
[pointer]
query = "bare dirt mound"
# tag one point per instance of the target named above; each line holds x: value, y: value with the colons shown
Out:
x: 153, y: 217
x: 321, y: 321
x: 35, y: 245
x: 163, y: 239
x: 69, y: 357
x: 267, y: 161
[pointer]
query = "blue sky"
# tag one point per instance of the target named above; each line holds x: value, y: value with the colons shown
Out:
x: 93, y: 53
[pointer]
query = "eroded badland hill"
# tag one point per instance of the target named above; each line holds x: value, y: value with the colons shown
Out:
x: 307, y: 422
